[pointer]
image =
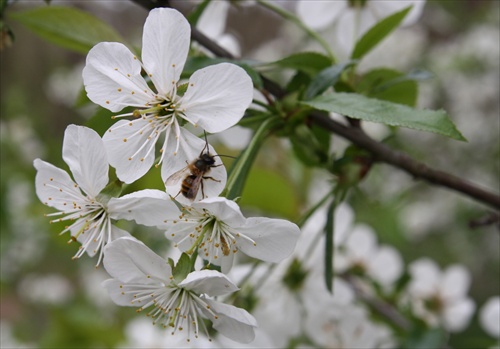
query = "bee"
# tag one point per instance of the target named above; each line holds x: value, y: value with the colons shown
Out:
x: 193, y: 174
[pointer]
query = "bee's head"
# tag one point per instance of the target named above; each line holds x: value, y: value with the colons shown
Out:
x: 207, y: 159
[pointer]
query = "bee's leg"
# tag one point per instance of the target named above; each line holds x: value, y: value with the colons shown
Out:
x: 212, y: 178
x: 202, y: 190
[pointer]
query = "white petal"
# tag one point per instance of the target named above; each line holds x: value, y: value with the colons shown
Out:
x: 129, y: 150
x: 212, y: 22
x: 217, y: 96
x: 55, y: 188
x: 92, y: 239
x: 130, y: 261
x: 489, y: 317
x: 112, y: 77
x: 165, y: 46
x: 83, y: 151
x: 457, y: 315
x: 319, y: 14
x: 386, y: 265
x: 455, y: 282
x: 210, y: 282
x: 275, y: 239
x: 234, y: 323
x: 425, y: 277
x: 225, y: 210
x: 190, y: 149
x: 148, y: 207
x: 362, y: 243
x: 116, y: 292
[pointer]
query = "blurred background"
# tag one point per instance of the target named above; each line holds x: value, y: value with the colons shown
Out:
x: 49, y: 300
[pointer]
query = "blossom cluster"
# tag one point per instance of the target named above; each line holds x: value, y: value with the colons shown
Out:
x: 158, y: 112
x: 163, y: 120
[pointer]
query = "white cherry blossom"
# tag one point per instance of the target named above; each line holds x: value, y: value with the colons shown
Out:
x: 352, y: 19
x: 489, y: 316
x: 218, y: 229
x: 143, y: 279
x: 78, y: 201
x: 215, y: 99
x: 440, y: 297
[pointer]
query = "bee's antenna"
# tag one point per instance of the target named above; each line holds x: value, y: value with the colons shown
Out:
x: 227, y: 156
x: 206, y: 143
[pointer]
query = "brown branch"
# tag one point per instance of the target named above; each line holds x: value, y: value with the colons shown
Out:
x: 380, y: 151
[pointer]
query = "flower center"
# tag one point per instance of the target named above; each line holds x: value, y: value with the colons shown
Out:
x: 174, y: 307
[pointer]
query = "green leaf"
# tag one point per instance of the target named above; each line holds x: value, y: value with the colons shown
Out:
x: 280, y: 195
x: 308, y: 62
x: 377, y: 33
x: 311, y: 144
x: 329, y: 244
x: 182, y: 268
x: 195, y: 15
x: 67, y: 27
x: 369, y: 109
x: 424, y: 339
x: 243, y: 163
x: 389, y: 85
x: 326, y: 78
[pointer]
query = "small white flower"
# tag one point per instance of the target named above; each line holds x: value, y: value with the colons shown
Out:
x: 143, y: 279
x: 489, y: 317
x: 215, y: 99
x: 353, y: 18
x: 79, y: 202
x: 219, y: 230
x: 359, y: 252
x: 440, y: 297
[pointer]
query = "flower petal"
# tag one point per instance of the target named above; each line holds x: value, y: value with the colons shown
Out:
x: 457, y: 315
x: 425, y: 277
x: 112, y: 77
x: 275, y: 239
x: 130, y: 261
x: 225, y: 210
x: 190, y: 149
x: 234, y: 323
x: 217, y: 96
x: 386, y: 265
x: 55, y: 188
x: 116, y: 292
x: 129, y: 148
x: 455, y: 282
x: 83, y: 151
x: 165, y: 46
x: 210, y: 282
x: 319, y: 14
x: 361, y: 244
x: 148, y: 207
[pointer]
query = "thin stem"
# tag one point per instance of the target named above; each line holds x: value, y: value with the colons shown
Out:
x: 295, y: 20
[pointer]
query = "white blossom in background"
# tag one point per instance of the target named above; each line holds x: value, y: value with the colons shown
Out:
x: 489, y: 317
x: 218, y: 229
x: 212, y: 23
x: 143, y: 279
x: 358, y: 251
x: 346, y: 328
x: 440, y: 297
x: 49, y: 289
x: 352, y: 19
x: 215, y: 99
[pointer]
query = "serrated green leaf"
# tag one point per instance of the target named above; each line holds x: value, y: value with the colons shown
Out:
x: 308, y: 62
x: 377, y: 33
x: 325, y: 79
x: 389, y: 85
x: 369, y: 109
x: 67, y: 27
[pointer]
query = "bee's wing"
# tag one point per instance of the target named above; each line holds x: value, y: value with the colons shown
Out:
x: 177, y: 176
x: 195, y: 185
